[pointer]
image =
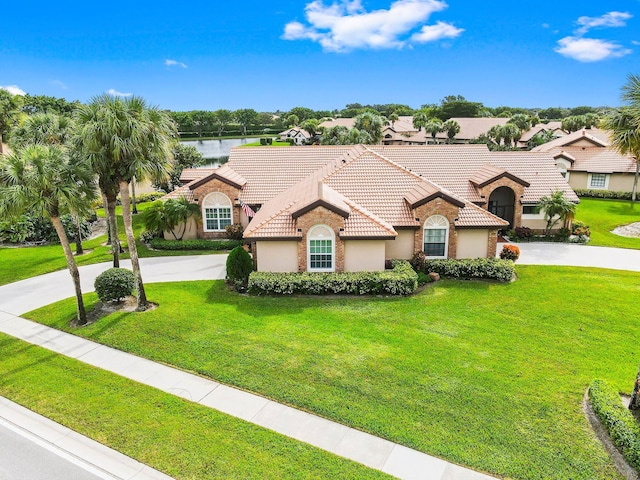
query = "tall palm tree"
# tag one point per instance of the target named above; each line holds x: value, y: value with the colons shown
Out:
x: 624, y: 126
x: 43, y: 179
x: 393, y: 118
x: 434, y: 126
x: 45, y: 128
x: 452, y: 128
x: 420, y: 119
x: 126, y: 138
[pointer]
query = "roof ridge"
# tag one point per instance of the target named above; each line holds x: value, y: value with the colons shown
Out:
x: 268, y: 219
x: 396, y: 164
x: 370, y: 215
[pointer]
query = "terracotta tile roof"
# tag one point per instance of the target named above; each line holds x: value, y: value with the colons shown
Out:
x: 190, y: 174
x: 183, y: 191
x: 542, y: 127
x: 224, y: 173
x: 596, y: 160
x: 473, y: 216
x: 599, y: 138
x: 474, y: 127
x: 489, y: 173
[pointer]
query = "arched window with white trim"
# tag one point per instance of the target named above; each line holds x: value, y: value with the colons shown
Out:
x: 217, y: 212
x: 320, y: 249
x: 436, y: 237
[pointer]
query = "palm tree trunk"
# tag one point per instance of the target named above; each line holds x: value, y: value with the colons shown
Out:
x: 73, y: 270
x: 134, y: 208
x: 79, y: 250
x: 113, y: 230
x: 634, y: 192
x: 133, y: 251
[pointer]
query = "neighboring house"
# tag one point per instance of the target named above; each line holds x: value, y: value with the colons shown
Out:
x: 587, y: 161
x: 555, y: 128
x: 349, y: 208
x: 299, y: 135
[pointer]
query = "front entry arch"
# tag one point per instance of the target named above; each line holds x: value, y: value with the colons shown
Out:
x: 502, y: 202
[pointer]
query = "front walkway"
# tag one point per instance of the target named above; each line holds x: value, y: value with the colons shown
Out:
x: 374, y: 452
x: 568, y: 254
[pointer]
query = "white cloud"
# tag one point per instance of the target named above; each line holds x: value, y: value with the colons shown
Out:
x: 346, y: 25
x: 59, y: 84
x: 590, y: 49
x: 174, y: 63
x: 610, y: 19
x: 431, y: 33
x: 635, y: 42
x: 116, y: 93
x: 14, y: 90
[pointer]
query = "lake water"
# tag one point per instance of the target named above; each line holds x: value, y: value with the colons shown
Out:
x: 217, y: 151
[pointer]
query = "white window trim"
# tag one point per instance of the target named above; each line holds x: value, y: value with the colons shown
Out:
x: 333, y: 248
x: 220, y: 205
x: 437, y: 222
x: 606, y: 181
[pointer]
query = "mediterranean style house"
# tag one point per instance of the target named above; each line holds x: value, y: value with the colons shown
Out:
x: 350, y: 208
x: 587, y: 161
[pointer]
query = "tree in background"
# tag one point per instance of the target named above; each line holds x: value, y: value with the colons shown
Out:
x: 44, y: 104
x: 522, y: 121
x: 311, y: 125
x: 43, y: 179
x: 433, y: 127
x: 624, y: 124
x: 202, y: 121
x: 292, y: 120
x: 371, y: 124
x: 184, y: 156
x: 45, y: 128
x: 222, y: 118
x: 420, y: 119
x: 301, y: 113
x: 246, y: 117
x: 452, y: 128
x: 10, y: 109
x: 459, y: 107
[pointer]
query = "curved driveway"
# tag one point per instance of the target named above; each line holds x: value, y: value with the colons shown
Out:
x: 567, y: 254
x: 26, y: 295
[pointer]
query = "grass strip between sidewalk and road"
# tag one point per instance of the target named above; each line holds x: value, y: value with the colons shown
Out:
x: 183, y: 439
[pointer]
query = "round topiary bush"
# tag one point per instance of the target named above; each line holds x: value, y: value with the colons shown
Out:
x: 239, y: 266
x: 114, y: 284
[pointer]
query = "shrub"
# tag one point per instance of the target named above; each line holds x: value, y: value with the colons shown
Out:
x: 401, y: 280
x: 581, y: 229
x: 239, y: 267
x: 263, y: 141
x: 235, y: 231
x: 147, y: 236
x: 523, y: 232
x: 603, y: 194
x: 510, y: 252
x: 618, y: 420
x: 114, y: 284
x: 195, y: 244
x: 489, y: 268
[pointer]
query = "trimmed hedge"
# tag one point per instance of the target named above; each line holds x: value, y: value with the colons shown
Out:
x: 196, y: 244
x: 488, y: 268
x: 581, y: 192
x: 401, y: 280
x: 114, y: 284
x: 618, y: 420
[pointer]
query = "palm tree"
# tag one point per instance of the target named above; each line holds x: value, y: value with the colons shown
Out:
x: 511, y: 133
x: 370, y: 123
x: 124, y: 138
x: 452, y: 128
x: 43, y: 179
x: 393, y: 118
x: 420, y: 119
x: 624, y: 126
x: 434, y: 127
x: 556, y: 208
x: 167, y: 216
x: 45, y: 128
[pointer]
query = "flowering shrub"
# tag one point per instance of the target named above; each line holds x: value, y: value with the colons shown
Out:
x: 510, y: 252
x: 581, y: 229
x: 401, y: 280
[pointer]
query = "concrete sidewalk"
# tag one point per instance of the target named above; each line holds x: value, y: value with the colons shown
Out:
x: 80, y: 451
x: 567, y: 254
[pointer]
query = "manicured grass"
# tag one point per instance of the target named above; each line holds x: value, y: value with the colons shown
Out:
x: 33, y: 261
x: 604, y: 215
x: 486, y: 375
x: 180, y: 438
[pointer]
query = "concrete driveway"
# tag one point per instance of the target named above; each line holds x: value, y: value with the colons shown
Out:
x: 26, y: 295
x: 567, y: 254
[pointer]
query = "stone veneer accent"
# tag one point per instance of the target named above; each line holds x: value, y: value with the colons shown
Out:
x: 437, y: 206
x: 320, y: 216
x: 216, y: 185
x: 518, y: 190
x: 493, y: 244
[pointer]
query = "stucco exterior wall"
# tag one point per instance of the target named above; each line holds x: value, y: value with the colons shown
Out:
x: 402, y: 247
x: 364, y: 255
x: 472, y: 243
x: 216, y: 185
x: 621, y: 182
x: 277, y: 256
x: 537, y: 224
x: 578, y: 180
x: 190, y: 233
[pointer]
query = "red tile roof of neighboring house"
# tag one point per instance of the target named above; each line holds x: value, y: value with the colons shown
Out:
x: 599, y: 138
x: 595, y: 160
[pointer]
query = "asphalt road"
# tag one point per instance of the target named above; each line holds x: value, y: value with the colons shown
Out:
x: 23, y: 458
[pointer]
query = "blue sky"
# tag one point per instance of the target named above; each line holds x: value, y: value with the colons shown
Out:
x: 271, y: 55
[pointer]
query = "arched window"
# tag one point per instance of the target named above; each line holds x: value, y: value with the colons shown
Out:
x: 216, y: 212
x: 320, y: 248
x: 436, y: 237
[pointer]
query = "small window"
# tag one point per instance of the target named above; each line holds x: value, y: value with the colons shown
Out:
x: 598, y: 180
x: 216, y: 212
x: 436, y: 236
x: 530, y: 210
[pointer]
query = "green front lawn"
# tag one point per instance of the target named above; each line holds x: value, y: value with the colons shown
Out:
x: 482, y: 374
x: 178, y: 437
x: 26, y: 262
x: 604, y: 215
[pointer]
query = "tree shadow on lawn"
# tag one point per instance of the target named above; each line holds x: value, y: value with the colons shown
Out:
x: 629, y: 209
